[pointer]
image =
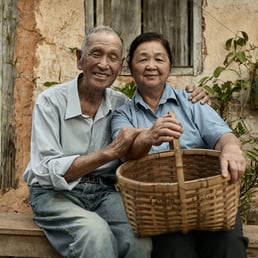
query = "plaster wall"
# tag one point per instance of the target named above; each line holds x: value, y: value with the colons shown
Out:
x: 50, y: 30
x: 61, y: 24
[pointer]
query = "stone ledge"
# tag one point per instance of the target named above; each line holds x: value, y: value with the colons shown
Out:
x: 251, y: 231
x: 20, y: 237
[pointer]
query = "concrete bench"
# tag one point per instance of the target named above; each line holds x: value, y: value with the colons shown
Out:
x: 251, y: 231
x: 20, y: 237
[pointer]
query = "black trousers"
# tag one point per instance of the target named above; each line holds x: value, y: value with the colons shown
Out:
x: 202, y: 244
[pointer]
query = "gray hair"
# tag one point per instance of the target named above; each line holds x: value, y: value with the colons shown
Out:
x: 101, y: 28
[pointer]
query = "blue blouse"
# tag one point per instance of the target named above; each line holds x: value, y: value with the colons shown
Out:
x: 201, y: 123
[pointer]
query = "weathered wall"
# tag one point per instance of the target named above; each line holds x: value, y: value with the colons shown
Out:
x: 61, y: 24
x: 221, y: 20
x: 49, y: 30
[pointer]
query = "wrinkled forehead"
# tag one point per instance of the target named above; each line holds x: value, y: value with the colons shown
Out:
x: 105, y: 38
x: 154, y: 47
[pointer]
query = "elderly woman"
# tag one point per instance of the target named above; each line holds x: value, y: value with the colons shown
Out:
x: 197, y: 126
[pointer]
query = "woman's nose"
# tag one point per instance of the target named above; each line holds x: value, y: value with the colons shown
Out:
x: 151, y: 65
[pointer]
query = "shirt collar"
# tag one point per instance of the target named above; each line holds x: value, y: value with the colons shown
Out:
x: 73, y: 107
x: 167, y: 95
x: 105, y: 106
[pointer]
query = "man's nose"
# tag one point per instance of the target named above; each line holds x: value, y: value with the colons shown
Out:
x: 103, y: 62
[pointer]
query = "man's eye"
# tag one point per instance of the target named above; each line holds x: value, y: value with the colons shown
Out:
x: 95, y: 55
x: 114, y: 58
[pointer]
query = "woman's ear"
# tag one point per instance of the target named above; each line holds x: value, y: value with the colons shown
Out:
x: 79, y: 59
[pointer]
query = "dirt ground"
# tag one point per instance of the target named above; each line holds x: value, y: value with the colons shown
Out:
x: 15, y: 200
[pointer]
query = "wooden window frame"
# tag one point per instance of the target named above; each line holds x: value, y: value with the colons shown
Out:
x: 97, y: 12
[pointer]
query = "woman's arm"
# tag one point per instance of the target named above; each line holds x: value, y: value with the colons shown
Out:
x: 232, y: 161
x: 165, y: 129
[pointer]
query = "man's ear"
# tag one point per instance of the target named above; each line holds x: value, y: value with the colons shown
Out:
x: 79, y: 59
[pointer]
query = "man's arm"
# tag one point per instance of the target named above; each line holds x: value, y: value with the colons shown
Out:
x: 198, y: 94
x: 84, y: 164
x: 51, y: 165
x: 165, y: 129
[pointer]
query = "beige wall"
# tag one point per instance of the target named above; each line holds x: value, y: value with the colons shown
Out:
x: 60, y: 24
x: 49, y: 29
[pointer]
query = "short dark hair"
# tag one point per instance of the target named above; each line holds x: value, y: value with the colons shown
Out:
x: 147, y: 37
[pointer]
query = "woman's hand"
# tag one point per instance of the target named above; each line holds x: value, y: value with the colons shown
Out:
x: 165, y: 129
x: 232, y: 160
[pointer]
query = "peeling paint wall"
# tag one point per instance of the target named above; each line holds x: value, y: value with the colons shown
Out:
x: 49, y: 31
x: 60, y: 24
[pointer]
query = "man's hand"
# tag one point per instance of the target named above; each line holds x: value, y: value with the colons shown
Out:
x: 198, y: 94
x: 122, y: 143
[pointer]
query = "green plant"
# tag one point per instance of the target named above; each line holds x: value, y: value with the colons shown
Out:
x: 51, y: 83
x: 128, y: 89
x: 229, y: 100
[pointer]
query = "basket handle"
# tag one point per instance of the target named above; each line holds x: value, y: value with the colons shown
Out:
x: 175, y: 144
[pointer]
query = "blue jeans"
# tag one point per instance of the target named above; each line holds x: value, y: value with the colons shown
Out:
x: 88, y: 221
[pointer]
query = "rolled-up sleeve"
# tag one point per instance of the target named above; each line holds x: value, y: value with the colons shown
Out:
x: 48, y: 161
x: 52, y: 173
x: 61, y: 133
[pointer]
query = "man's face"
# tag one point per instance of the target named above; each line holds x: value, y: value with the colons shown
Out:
x: 102, y: 61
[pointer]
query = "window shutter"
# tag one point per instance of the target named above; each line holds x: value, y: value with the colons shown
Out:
x: 169, y: 18
x: 122, y: 16
x: 178, y: 20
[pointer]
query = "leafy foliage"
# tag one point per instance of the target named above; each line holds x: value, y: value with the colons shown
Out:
x: 128, y: 89
x: 242, y: 63
x: 239, y: 61
x: 49, y: 84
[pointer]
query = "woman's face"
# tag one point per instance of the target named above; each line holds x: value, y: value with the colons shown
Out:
x: 150, y: 66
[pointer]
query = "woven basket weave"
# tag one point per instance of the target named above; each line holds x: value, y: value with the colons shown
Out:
x: 177, y: 191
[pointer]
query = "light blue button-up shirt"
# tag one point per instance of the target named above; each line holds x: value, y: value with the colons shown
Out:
x: 61, y: 133
x: 202, y: 125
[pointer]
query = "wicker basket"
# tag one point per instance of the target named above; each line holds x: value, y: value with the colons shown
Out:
x: 177, y: 190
